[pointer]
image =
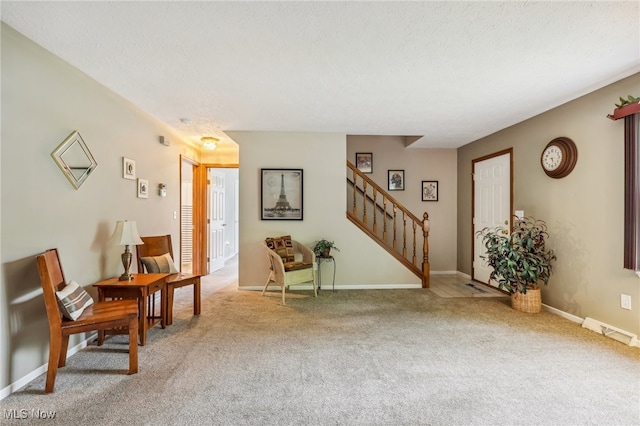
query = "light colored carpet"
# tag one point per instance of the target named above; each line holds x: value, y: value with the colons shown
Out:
x: 350, y: 357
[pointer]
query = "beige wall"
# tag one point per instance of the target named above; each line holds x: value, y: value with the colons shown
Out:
x: 43, y: 101
x: 389, y: 152
x: 584, y: 210
x: 322, y: 156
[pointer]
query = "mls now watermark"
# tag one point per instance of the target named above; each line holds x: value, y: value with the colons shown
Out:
x: 25, y: 414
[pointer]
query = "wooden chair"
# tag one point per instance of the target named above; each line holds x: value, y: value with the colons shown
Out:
x: 158, y: 246
x: 290, y: 263
x: 98, y: 316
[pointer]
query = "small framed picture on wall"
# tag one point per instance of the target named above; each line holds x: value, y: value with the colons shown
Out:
x: 364, y: 162
x: 143, y: 188
x: 429, y: 190
x: 128, y: 168
x: 396, y: 180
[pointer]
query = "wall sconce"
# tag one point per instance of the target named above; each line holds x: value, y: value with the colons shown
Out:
x: 162, y: 189
x: 209, y: 142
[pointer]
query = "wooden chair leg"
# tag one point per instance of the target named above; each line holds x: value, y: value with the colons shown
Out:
x: 197, y: 306
x: 170, y: 291
x: 64, y: 345
x: 100, y: 337
x: 133, y: 345
x: 55, y: 344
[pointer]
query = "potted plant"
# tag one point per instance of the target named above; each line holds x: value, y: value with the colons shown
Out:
x: 323, y: 248
x: 520, y: 261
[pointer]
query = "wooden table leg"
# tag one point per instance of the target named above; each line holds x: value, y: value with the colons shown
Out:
x: 163, y: 306
x: 197, y: 304
x: 142, y: 320
x: 100, y: 332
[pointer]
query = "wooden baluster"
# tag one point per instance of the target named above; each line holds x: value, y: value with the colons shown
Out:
x: 414, y: 242
x: 375, y: 204
x: 384, y: 218
x: 395, y: 241
x: 355, y: 192
x: 364, y: 203
x: 425, y: 249
x: 404, y: 234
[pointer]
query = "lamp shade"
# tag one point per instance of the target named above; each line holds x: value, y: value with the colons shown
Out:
x: 126, y: 234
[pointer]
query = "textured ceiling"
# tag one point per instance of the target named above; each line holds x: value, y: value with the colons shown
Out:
x: 452, y: 72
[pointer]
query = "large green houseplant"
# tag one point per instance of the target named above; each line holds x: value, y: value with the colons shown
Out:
x: 520, y: 260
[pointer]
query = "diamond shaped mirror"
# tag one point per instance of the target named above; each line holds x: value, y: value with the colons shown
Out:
x: 74, y: 159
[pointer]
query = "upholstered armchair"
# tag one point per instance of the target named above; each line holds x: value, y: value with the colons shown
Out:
x: 290, y: 263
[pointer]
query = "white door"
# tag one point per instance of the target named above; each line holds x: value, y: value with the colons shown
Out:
x: 216, y: 220
x: 491, y: 207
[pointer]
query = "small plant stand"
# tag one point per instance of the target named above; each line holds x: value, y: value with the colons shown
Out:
x: 321, y: 259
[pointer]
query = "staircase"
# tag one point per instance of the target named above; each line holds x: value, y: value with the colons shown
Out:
x: 388, y: 222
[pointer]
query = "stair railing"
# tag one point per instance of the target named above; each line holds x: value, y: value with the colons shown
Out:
x: 385, y: 220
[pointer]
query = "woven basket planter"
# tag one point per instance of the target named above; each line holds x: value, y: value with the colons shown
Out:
x: 530, y: 302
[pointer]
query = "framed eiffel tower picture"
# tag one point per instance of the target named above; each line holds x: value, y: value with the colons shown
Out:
x: 281, y: 196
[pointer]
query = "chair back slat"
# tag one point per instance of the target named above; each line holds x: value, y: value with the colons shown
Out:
x: 154, y: 246
x: 52, y: 279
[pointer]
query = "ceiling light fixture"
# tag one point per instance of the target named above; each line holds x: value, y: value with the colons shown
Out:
x: 209, y: 142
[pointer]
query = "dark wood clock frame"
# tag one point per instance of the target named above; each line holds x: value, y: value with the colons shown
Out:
x: 569, y: 157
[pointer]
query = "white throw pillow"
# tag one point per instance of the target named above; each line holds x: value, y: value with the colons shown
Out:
x: 73, y: 300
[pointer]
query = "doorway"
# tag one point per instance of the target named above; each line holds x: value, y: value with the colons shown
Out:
x: 492, y: 204
x: 222, y: 216
x: 214, y: 219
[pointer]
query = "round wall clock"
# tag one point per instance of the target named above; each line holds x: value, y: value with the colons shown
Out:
x: 559, y: 157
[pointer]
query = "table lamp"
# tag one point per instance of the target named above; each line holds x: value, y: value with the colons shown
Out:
x: 126, y: 234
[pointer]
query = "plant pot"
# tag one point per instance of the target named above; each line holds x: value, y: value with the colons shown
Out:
x: 326, y: 252
x: 529, y: 302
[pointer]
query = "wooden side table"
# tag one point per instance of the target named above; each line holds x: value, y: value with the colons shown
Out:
x: 141, y: 287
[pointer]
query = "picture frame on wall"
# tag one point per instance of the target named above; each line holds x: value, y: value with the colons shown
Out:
x: 281, y: 194
x: 396, y: 180
x: 364, y: 162
x: 143, y: 188
x: 429, y: 190
x: 128, y: 168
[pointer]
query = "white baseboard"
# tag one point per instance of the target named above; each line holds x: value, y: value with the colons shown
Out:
x: 562, y: 314
x: 23, y: 381
x: 591, y: 324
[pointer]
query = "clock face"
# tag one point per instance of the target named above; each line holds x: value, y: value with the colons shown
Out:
x: 559, y: 157
x: 552, y: 158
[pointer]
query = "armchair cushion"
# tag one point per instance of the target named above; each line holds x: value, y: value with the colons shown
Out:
x: 294, y: 266
x: 73, y: 300
x: 283, y: 246
x: 159, y: 264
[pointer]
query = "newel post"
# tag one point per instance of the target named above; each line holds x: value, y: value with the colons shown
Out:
x: 426, y: 269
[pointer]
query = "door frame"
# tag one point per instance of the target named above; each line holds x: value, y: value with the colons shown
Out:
x: 200, y: 188
x: 473, y: 198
